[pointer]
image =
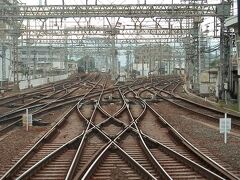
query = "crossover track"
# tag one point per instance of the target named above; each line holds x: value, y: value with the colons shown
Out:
x: 113, y: 132
x: 213, y: 114
x: 58, y: 99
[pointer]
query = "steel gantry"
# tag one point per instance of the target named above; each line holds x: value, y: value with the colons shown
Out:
x: 115, y: 36
x: 102, y: 31
x: 126, y: 11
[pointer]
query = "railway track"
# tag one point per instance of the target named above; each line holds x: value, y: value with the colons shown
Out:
x: 168, y: 137
x: 166, y: 90
x: 194, y: 107
x: 65, y: 133
x: 27, y: 100
x: 111, y: 134
x: 34, y: 92
x: 12, y: 119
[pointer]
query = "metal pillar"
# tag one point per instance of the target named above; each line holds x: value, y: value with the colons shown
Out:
x: 113, y: 58
x: 51, y: 59
x: 196, y: 55
x: 65, y: 55
x: 15, y: 62
x: 221, y: 75
x: 174, y: 57
x: 28, y: 52
x: 3, y: 57
x: 131, y: 62
x: 128, y: 63
x: 34, y: 64
x: 224, y: 74
x: 142, y: 65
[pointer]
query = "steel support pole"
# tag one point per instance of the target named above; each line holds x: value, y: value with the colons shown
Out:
x: 65, y: 55
x: 3, y: 57
x: 221, y: 65
x: 238, y: 94
x: 114, y: 61
x: 15, y: 62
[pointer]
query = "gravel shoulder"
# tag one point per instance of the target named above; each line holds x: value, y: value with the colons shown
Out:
x: 202, y: 135
x: 19, y: 139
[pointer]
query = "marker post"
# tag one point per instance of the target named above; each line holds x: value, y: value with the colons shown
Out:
x: 225, y: 126
x: 27, y: 119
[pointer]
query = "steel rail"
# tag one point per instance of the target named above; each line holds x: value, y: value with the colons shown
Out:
x: 77, y: 156
x: 124, y: 155
x: 187, y: 100
x: 14, y: 168
x: 23, y: 107
x: 235, y: 118
x: 46, y: 136
x: 161, y: 172
x: 47, y: 158
x: 192, y: 148
x: 39, y: 111
x: 44, y: 105
x: 32, y: 92
x: 93, y: 164
x: 180, y: 157
x: 206, y: 159
x: 202, y: 170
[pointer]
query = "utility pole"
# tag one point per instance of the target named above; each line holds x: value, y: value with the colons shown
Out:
x: 113, y: 58
x: 3, y: 56
x: 34, y: 63
x: 128, y: 62
x: 65, y: 55
x: 151, y: 55
x: 15, y: 59
x: 174, y: 56
x: 142, y: 58
x: 224, y: 75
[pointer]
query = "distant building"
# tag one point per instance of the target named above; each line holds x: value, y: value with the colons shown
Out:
x: 209, y: 76
x: 72, y: 66
x: 43, y: 60
x: 179, y: 71
x: 5, y: 46
x: 154, y: 59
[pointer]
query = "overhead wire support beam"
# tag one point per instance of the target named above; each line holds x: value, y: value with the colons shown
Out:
x: 104, y: 31
x: 127, y: 11
x: 119, y: 41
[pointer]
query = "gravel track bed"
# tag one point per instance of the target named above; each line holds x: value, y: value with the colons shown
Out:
x: 15, y: 141
x: 111, y: 108
x: 4, y: 110
x: 12, y: 144
x: 202, y: 135
x: 52, y: 115
x: 79, y: 92
x: 180, y: 91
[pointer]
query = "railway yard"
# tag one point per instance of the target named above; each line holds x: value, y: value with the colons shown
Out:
x: 89, y: 127
x: 119, y: 90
